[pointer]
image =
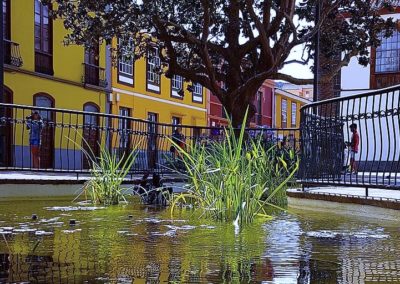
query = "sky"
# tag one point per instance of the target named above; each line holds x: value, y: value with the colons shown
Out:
x: 298, y: 70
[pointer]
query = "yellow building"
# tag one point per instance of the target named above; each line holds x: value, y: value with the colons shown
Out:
x: 287, y: 109
x: 139, y: 91
x: 41, y: 71
x: 287, y: 116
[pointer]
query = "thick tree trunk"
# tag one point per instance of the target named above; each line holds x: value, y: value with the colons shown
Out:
x: 237, y: 110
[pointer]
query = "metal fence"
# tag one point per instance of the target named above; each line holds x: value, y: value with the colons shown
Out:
x: 67, y: 134
x: 330, y: 154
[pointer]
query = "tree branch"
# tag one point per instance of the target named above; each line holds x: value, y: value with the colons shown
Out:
x: 291, y: 79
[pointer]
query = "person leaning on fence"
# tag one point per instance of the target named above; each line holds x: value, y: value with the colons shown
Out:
x: 177, y: 139
x: 35, y: 126
x: 354, y: 144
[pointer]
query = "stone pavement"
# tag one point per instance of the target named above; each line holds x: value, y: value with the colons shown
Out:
x: 30, y: 177
x: 357, y: 192
x: 384, y: 198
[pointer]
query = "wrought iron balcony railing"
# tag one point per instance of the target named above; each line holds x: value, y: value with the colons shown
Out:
x: 94, y: 75
x: 12, y: 55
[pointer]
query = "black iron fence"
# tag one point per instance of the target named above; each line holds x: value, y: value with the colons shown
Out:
x: 65, y: 135
x: 352, y: 141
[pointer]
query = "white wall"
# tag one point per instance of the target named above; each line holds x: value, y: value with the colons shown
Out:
x: 355, y: 76
x: 379, y: 137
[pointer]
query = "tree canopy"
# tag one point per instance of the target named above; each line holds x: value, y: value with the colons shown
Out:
x: 239, y: 42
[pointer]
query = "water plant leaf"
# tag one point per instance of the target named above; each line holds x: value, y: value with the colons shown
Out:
x: 235, y: 179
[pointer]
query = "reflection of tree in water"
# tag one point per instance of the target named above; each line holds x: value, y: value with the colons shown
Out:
x: 4, y: 266
x: 150, y: 252
x: 345, y: 250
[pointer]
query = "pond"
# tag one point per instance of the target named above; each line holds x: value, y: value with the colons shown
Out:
x: 139, y: 244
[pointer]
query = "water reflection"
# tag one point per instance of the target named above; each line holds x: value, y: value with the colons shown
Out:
x: 107, y: 246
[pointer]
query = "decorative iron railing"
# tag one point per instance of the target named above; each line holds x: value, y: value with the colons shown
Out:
x: 64, y: 133
x: 94, y: 75
x: 330, y: 153
x: 12, y: 55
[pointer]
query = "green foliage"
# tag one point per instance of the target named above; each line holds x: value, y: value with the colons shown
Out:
x: 236, y: 180
x: 241, y: 43
x: 107, y: 174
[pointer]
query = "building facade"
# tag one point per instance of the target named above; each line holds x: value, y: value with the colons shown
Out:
x: 37, y: 61
x: 304, y: 91
x: 263, y: 103
x: 287, y: 109
x: 41, y: 71
x: 383, y: 71
x: 138, y: 90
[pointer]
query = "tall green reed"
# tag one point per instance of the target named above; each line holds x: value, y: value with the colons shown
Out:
x: 236, y: 180
x: 108, y: 172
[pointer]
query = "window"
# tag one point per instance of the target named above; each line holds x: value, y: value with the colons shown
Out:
x: 43, y: 39
x: 294, y: 114
x: 44, y: 101
x: 6, y: 19
x: 259, y: 98
x: 124, y: 127
x: 124, y: 123
x: 153, y: 69
x: 92, y: 74
x: 176, y: 120
x: 388, y: 54
x: 91, y: 119
x: 126, y: 61
x: 92, y: 55
x: 197, y: 93
x: 284, y: 114
x: 176, y: 86
x: 152, y: 117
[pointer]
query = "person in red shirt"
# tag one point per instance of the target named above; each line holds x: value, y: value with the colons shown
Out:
x: 355, y: 141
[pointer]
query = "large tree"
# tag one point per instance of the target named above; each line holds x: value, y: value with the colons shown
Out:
x: 239, y: 42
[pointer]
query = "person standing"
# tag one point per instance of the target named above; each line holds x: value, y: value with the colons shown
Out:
x: 35, y: 126
x: 354, y: 144
x: 179, y: 140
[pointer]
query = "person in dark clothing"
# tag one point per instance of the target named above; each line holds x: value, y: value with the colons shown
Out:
x: 35, y: 126
x: 178, y: 139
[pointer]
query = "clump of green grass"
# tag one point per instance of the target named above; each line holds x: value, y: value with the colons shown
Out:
x: 236, y: 180
x: 107, y: 175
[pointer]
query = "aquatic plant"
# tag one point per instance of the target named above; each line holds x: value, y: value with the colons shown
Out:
x: 236, y: 180
x: 107, y: 175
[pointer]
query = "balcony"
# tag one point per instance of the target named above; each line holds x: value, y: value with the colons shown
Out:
x: 44, y: 63
x: 12, y: 56
x: 94, y: 75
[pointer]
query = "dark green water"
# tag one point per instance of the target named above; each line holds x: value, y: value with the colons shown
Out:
x: 138, y: 244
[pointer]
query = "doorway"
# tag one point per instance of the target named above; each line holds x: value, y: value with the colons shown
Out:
x: 91, y: 135
x: 152, y: 140
x: 6, y: 130
x: 47, y: 135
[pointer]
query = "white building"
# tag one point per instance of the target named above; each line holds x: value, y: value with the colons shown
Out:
x: 376, y: 116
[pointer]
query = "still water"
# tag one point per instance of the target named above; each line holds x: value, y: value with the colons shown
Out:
x: 139, y: 244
